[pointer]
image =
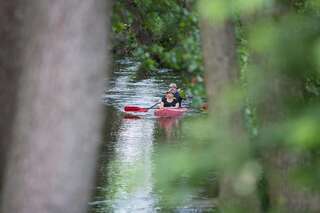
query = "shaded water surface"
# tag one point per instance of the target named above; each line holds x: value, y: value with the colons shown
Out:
x: 126, y: 179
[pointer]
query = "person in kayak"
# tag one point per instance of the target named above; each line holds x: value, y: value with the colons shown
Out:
x: 174, y: 90
x: 169, y: 101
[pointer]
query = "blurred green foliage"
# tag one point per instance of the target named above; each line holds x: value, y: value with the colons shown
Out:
x: 278, y: 49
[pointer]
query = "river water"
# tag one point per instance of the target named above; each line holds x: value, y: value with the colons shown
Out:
x: 126, y: 180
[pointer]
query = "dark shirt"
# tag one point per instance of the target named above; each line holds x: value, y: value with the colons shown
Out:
x: 168, y: 104
x: 177, y: 96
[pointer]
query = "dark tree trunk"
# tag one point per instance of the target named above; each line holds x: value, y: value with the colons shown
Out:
x: 279, y: 94
x: 277, y: 159
x: 142, y: 34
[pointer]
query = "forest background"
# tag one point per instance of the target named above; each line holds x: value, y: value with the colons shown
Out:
x: 256, y: 63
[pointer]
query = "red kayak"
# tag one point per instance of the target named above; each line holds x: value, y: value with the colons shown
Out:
x: 169, y: 112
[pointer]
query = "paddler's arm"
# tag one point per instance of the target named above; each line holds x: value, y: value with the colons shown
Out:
x: 161, y: 105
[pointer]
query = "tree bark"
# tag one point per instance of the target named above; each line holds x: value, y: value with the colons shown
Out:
x: 218, y: 45
x: 277, y: 159
x: 10, y: 70
x: 142, y: 34
x: 280, y: 92
x: 221, y: 74
x: 57, y: 121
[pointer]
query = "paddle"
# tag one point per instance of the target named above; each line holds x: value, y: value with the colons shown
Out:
x: 138, y: 109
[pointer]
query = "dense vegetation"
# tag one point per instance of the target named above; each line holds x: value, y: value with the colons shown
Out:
x: 160, y: 34
x: 274, y: 163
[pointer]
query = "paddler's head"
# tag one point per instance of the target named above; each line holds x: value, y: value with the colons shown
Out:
x: 169, y: 95
x: 173, y: 88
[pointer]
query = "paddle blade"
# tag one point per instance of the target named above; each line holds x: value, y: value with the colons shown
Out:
x: 134, y: 109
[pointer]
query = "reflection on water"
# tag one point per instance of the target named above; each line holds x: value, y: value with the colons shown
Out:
x: 130, y: 183
x: 169, y: 125
x: 126, y: 181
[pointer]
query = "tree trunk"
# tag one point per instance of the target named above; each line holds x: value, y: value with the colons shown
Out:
x: 277, y: 159
x: 218, y: 44
x: 56, y: 125
x: 10, y: 70
x: 142, y: 34
x: 284, y: 194
x: 279, y: 91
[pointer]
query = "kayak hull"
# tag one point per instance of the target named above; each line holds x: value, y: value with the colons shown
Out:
x: 169, y: 112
